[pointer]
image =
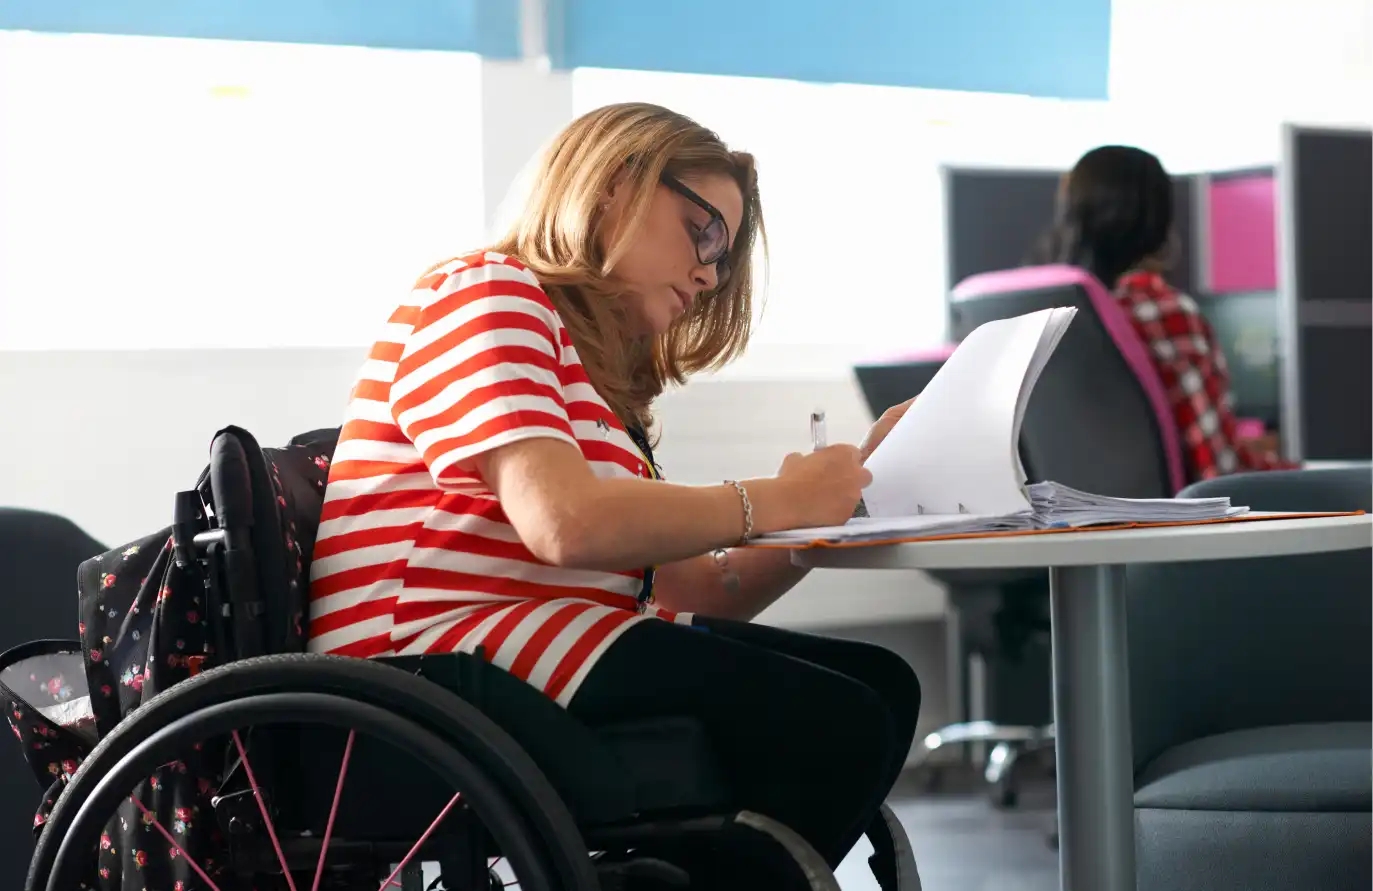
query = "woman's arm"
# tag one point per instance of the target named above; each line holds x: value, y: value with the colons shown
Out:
x: 478, y: 390
x: 568, y: 516
x: 698, y: 585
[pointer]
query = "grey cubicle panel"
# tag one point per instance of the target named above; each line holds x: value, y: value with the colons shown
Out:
x: 1325, y: 225
x: 994, y: 217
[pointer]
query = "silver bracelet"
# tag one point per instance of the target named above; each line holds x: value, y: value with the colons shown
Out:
x: 748, y: 509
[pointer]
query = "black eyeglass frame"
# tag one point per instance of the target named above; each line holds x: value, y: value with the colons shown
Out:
x: 721, y: 263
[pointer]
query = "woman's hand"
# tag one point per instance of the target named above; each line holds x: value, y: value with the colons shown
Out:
x: 879, y: 430
x: 818, y: 489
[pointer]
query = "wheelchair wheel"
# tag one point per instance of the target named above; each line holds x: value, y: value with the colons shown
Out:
x: 496, y: 800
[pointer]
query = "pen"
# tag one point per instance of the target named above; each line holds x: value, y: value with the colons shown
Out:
x: 817, y: 429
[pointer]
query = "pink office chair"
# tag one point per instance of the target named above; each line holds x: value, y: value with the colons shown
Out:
x: 1099, y: 420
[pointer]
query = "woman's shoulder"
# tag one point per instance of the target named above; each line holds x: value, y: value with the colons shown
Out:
x: 478, y: 266
x: 1143, y: 280
x: 1151, y: 288
x: 502, y: 281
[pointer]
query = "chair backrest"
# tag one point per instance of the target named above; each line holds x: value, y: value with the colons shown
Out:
x: 889, y: 383
x: 267, y: 502
x: 1099, y: 418
x: 1228, y: 645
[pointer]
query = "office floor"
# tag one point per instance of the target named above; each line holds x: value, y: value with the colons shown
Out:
x: 962, y: 843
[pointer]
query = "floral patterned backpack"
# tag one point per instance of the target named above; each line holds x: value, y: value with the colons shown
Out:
x: 145, y: 626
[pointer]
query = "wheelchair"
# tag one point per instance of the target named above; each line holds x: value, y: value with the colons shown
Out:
x: 433, y: 773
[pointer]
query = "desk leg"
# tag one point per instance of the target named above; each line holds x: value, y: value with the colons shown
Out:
x: 1096, y: 815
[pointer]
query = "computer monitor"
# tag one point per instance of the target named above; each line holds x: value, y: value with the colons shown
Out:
x: 1246, y: 328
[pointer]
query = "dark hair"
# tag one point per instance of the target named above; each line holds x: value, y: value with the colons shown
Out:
x: 1114, y: 211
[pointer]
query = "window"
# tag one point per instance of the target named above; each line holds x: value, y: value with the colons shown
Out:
x: 225, y: 194
x: 1233, y: 59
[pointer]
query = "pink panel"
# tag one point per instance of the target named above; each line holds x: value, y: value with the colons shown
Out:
x: 1243, y: 234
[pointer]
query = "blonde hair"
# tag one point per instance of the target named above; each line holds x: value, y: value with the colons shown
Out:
x: 557, y: 235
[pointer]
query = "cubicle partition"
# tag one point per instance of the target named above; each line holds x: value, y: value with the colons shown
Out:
x: 1326, y: 263
x: 1237, y: 285
x: 1238, y: 243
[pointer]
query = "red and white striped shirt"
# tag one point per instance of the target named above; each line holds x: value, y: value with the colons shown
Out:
x: 414, y: 553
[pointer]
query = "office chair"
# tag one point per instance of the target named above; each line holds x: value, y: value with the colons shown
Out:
x: 39, y: 554
x: 1099, y: 420
x: 1251, y: 701
x: 1251, y: 704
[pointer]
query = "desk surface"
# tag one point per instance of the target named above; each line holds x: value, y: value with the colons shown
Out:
x: 1159, y: 544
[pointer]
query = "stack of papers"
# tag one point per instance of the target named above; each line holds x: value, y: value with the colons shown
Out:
x: 861, y: 529
x: 1056, y: 505
x: 1052, y: 506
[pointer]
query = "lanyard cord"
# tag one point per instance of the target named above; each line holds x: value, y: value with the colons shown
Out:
x: 654, y: 471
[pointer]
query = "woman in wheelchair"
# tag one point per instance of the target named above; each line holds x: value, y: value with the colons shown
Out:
x: 494, y: 488
x: 529, y: 655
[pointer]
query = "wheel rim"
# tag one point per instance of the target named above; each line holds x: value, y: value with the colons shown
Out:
x: 442, y: 711
x: 508, y: 828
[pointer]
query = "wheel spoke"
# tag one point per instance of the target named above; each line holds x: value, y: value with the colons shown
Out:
x: 171, y: 840
x: 391, y: 879
x: 262, y: 807
x: 333, y: 809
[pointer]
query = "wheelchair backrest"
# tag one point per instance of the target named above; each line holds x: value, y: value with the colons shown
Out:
x: 267, y: 501
x: 151, y: 611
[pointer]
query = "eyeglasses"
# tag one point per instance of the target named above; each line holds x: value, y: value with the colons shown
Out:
x: 712, y: 239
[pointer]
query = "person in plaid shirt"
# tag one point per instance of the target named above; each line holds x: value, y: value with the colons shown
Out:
x: 1115, y: 219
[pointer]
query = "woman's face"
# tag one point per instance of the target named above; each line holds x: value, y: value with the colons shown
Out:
x: 661, y: 270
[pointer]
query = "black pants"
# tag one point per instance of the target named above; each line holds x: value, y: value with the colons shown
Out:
x: 811, y: 731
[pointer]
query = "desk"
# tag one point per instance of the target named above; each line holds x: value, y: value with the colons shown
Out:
x: 1091, y: 683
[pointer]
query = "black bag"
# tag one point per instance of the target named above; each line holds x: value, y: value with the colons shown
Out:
x: 149, y: 620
